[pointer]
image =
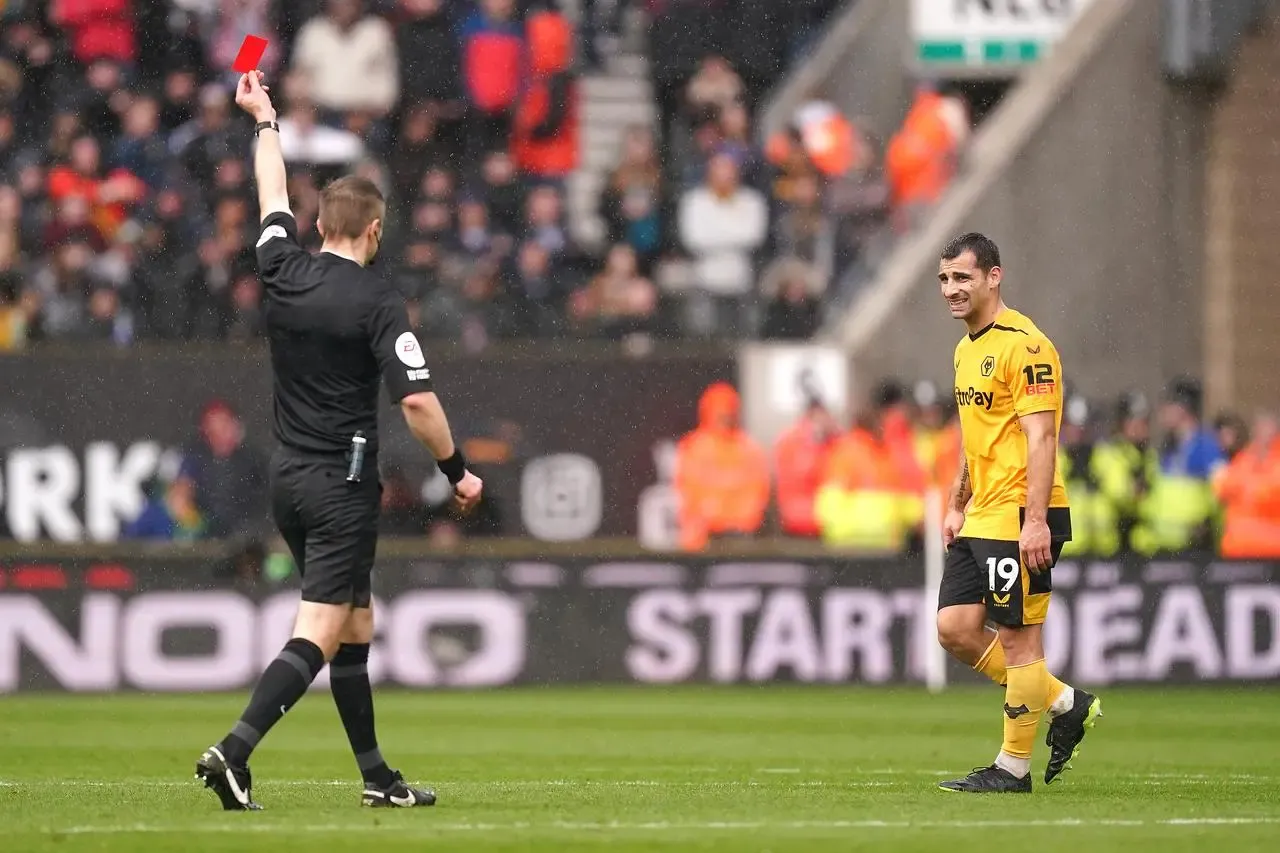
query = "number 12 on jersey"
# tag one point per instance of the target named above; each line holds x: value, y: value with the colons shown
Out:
x: 1039, y: 378
x: 1006, y: 570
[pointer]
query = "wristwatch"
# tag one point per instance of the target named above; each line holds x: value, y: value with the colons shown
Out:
x: 265, y: 125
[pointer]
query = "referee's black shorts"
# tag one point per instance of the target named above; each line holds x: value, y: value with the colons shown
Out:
x: 330, y: 525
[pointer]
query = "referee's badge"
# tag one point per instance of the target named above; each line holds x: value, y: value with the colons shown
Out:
x: 408, y: 350
x: 270, y: 234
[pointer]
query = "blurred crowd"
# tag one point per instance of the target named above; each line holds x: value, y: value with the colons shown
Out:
x: 1142, y: 479
x: 126, y: 203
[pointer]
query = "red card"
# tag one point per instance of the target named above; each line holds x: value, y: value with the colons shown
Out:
x: 250, y: 54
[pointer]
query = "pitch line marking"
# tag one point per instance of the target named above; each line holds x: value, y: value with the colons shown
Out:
x: 833, y: 780
x: 657, y: 826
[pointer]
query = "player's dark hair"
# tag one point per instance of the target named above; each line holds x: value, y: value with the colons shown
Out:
x: 984, y: 249
x: 348, y: 205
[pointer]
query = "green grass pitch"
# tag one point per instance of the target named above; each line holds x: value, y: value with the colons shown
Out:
x: 630, y: 769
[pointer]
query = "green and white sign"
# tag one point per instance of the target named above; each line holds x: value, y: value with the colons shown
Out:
x: 989, y: 33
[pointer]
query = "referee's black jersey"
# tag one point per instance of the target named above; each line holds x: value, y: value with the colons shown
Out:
x: 336, y: 329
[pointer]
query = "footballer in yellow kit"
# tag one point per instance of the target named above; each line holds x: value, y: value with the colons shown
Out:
x: 1007, y: 519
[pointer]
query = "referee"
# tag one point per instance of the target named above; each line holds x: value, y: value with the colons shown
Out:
x: 336, y: 332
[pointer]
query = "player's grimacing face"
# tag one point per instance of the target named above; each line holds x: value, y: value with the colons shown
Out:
x: 965, y: 287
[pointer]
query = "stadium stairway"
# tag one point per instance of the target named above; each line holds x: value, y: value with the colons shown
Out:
x: 614, y: 98
x: 1090, y: 174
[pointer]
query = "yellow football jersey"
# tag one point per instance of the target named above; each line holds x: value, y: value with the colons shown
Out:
x: 1008, y: 370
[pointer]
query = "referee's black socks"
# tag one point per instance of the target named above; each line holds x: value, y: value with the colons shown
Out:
x: 282, y: 684
x: 349, y: 680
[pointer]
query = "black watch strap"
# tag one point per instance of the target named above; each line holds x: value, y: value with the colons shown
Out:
x: 265, y: 125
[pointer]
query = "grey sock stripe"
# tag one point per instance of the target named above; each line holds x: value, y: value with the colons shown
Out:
x: 295, y: 660
x: 351, y: 670
x: 247, y: 733
x: 369, y: 760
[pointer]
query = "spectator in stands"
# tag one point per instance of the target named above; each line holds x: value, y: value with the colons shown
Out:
x: 872, y: 493
x: 505, y: 194
x: 233, y: 19
x: 8, y: 140
x: 600, y: 26
x: 722, y: 475
x: 482, y: 316
x: 304, y: 140
x: 618, y: 301
x: 546, y: 123
x: 682, y: 33
x: 830, y: 140
x: 633, y: 200
x: 97, y: 29
x: 802, y: 228
x: 349, y: 60
x: 1249, y: 489
x: 110, y: 194
x: 1178, y: 510
x: 61, y: 289
x: 544, y: 222
x: 229, y: 475
x: 141, y: 150
x: 100, y: 106
x: 179, y: 103
x: 419, y: 151
x: 1232, y: 434
x: 1190, y: 449
x: 1094, y: 523
x: 922, y: 155
x: 1125, y: 466
x: 492, y: 73
x: 793, y: 311
x: 222, y: 258
x: 722, y: 224
x: 427, y: 31
x: 210, y: 138
x: 475, y: 238
x: 735, y: 139
x: 403, y: 512
x: 937, y: 439
x: 714, y: 88
x: 107, y: 319
x: 14, y: 315
x: 244, y: 317
x: 800, y: 463
x: 535, y: 291
x: 170, y: 513
x: 158, y: 282
x: 71, y: 223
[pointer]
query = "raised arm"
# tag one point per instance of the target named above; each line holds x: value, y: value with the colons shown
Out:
x: 268, y: 159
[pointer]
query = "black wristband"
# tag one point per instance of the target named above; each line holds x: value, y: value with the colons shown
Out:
x: 265, y: 125
x: 454, y: 467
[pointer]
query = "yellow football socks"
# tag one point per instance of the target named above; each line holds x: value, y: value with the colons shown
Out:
x: 992, y: 665
x: 1024, y: 703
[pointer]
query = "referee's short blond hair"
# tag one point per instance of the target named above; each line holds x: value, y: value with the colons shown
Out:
x: 348, y: 205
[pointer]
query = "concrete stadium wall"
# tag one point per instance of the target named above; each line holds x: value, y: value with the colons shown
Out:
x: 859, y: 65
x: 1100, y: 222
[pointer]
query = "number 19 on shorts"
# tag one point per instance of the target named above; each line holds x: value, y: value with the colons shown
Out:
x: 1002, y: 574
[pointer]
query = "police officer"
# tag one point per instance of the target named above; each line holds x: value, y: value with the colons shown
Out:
x: 336, y: 331
x: 1126, y: 467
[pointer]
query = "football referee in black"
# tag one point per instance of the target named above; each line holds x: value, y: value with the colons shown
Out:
x: 336, y: 332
